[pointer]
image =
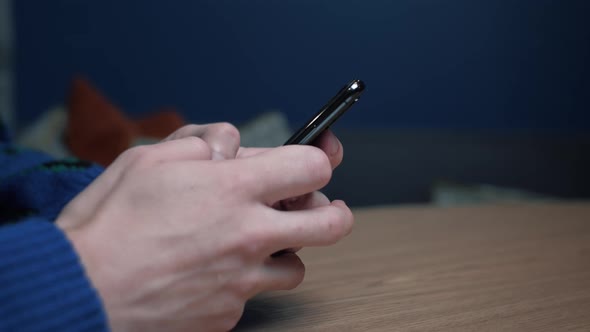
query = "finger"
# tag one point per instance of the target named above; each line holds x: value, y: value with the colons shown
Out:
x: 321, y: 226
x: 329, y: 143
x: 305, y: 202
x: 244, y: 152
x: 223, y: 138
x: 282, y: 273
x: 284, y: 172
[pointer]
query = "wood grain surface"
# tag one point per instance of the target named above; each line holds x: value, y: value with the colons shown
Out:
x: 485, y: 268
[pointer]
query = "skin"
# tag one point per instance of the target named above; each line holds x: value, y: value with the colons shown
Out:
x: 177, y: 236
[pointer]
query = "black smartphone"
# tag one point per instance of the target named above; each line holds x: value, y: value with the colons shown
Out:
x: 328, y: 114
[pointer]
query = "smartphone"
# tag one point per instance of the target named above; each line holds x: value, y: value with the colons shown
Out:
x: 328, y: 114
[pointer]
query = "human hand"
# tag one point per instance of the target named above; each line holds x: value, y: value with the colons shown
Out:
x: 223, y: 139
x: 222, y: 142
x: 180, y: 242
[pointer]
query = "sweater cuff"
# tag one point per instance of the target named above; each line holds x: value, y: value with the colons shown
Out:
x: 43, y: 286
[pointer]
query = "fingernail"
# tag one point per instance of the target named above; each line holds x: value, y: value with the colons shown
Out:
x: 333, y: 147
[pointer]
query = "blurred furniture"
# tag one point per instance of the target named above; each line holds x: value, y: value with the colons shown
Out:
x: 393, y: 166
x: 485, y: 268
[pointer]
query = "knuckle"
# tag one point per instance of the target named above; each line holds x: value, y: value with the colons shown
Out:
x: 202, y: 149
x: 195, y: 140
x: 226, y: 129
x: 138, y: 155
x: 189, y: 129
x: 184, y: 131
x: 223, y: 138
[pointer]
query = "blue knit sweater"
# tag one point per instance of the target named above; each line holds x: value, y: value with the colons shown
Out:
x: 43, y: 286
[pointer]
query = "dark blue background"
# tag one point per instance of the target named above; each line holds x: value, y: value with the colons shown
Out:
x: 428, y: 63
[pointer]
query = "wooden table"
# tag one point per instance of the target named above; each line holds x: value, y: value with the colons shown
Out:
x: 486, y: 268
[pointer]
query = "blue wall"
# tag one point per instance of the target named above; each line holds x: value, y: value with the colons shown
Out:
x: 427, y: 63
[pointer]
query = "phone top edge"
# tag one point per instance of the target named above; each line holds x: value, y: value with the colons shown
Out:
x: 329, y: 113
x: 356, y: 86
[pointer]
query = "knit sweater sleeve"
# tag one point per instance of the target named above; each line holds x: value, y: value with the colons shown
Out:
x: 43, y: 286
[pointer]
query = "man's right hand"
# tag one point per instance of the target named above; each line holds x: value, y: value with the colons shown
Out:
x: 179, y: 242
